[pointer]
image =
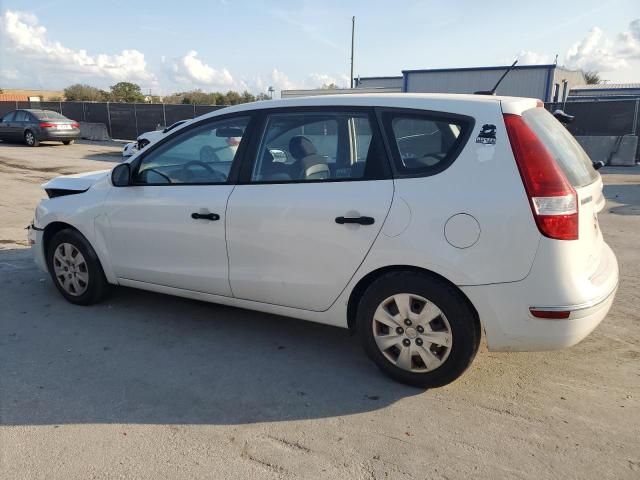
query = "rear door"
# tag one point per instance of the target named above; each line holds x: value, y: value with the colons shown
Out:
x: 16, y: 126
x: 578, y: 168
x: 310, y: 204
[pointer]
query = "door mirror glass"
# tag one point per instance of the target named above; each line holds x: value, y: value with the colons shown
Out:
x: 121, y: 175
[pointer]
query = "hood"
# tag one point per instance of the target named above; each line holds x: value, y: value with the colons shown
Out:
x: 70, y: 184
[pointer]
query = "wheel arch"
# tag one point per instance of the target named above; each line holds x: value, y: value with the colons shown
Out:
x: 369, y: 278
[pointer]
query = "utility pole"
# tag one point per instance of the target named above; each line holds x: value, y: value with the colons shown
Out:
x: 353, y: 29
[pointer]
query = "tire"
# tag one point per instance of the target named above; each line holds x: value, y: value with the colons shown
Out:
x: 452, y: 326
x: 68, y: 142
x: 88, y: 284
x: 31, y: 139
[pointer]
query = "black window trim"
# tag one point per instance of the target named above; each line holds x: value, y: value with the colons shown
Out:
x: 235, y: 165
x: 386, y: 114
x: 251, y: 156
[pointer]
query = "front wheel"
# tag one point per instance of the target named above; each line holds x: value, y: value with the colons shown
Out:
x: 418, y: 329
x: 75, y: 268
x: 30, y: 139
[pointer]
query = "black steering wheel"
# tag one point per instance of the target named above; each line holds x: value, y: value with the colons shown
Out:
x: 208, y: 154
x: 214, y: 175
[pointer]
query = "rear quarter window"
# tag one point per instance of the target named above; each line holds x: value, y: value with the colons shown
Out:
x: 567, y: 152
x: 424, y: 144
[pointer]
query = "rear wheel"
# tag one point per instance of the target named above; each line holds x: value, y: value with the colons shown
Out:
x: 30, y: 139
x: 75, y: 268
x: 418, y: 329
x: 68, y: 142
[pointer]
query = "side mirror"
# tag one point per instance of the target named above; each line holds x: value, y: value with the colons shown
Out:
x: 121, y: 175
x: 598, y: 165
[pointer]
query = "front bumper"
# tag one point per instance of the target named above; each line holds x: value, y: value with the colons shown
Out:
x: 35, y: 236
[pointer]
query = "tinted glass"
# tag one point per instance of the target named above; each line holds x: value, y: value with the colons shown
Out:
x: 314, y: 146
x: 8, y: 117
x: 21, y: 116
x: 202, y: 154
x: 49, y: 115
x: 571, y: 158
x: 424, y: 144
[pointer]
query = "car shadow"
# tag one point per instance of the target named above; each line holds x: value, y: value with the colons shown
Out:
x: 627, y: 194
x: 141, y: 357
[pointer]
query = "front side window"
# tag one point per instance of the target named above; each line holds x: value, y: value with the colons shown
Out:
x: 298, y: 147
x: 203, y: 154
x: 8, y: 117
x: 423, y: 144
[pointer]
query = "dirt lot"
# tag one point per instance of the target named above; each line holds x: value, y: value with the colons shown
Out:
x: 148, y: 386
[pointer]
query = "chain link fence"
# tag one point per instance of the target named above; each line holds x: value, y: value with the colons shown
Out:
x: 123, y: 120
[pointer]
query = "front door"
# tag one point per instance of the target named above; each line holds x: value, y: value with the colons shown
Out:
x: 5, y: 127
x: 309, y: 208
x: 169, y: 227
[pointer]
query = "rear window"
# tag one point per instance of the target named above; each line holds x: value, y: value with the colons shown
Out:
x: 424, y: 144
x: 49, y: 115
x: 567, y: 152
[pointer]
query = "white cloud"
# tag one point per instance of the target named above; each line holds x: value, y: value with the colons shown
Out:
x: 316, y: 80
x: 629, y: 41
x: 190, y: 70
x: 22, y: 34
x: 594, y: 52
x: 526, y: 57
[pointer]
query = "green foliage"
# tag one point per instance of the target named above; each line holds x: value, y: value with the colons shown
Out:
x: 84, y: 93
x: 126, y: 92
x: 592, y: 78
x: 130, y: 92
x: 329, y: 86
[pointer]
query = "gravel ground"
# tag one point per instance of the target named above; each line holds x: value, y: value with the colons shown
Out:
x: 149, y: 386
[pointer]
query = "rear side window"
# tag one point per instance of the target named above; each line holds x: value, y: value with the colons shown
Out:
x: 21, y: 116
x: 567, y: 152
x: 424, y: 144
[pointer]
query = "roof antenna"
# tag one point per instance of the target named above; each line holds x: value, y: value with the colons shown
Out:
x: 495, y: 87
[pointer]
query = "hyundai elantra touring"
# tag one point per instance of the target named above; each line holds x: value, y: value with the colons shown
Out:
x: 416, y: 221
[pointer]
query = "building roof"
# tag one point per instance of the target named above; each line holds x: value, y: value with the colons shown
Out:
x: 608, y: 86
x: 471, y: 69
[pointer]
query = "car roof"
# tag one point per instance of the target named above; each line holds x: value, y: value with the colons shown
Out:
x: 398, y: 100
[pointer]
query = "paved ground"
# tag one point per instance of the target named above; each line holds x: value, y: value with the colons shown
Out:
x: 148, y: 386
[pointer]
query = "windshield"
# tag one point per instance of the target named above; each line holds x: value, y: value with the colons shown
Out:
x: 571, y: 158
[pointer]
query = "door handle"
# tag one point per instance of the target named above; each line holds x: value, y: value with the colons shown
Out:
x: 358, y: 220
x: 205, y: 216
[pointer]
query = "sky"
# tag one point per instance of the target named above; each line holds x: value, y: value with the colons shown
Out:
x: 219, y: 45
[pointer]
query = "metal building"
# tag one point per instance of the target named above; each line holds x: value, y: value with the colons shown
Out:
x: 550, y: 83
x: 379, y: 82
x: 605, y: 91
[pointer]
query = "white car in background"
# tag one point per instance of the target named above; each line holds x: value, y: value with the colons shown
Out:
x: 416, y: 220
x: 146, y: 138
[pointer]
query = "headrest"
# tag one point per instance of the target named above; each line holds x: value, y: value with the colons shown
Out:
x: 300, y: 147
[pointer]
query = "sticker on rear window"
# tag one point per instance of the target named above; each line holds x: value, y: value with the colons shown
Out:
x: 487, y: 134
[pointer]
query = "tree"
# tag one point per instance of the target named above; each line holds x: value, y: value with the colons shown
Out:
x: 262, y: 96
x: 79, y: 92
x: 592, y: 78
x: 329, y: 86
x: 126, y: 92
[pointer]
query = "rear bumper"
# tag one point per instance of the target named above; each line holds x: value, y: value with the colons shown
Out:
x: 509, y: 325
x: 51, y: 134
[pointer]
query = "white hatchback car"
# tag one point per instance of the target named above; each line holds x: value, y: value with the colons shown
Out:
x: 416, y: 220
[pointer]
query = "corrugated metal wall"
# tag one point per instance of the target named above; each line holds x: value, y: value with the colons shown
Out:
x: 529, y: 82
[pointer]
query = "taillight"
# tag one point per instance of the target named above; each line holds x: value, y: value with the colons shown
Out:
x: 75, y: 125
x: 47, y: 125
x: 553, y: 200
